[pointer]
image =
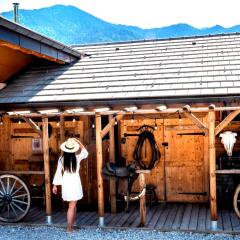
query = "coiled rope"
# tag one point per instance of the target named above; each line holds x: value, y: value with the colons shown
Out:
x: 147, y: 133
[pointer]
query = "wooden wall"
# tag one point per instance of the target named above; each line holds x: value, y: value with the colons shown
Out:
x: 16, y: 151
x: 182, y: 173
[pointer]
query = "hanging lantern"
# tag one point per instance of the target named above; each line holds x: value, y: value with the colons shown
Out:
x: 228, y: 140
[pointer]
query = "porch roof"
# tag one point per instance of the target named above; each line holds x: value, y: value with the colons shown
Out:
x: 185, y: 68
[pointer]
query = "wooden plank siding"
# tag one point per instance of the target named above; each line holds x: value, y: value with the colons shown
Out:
x: 182, y: 172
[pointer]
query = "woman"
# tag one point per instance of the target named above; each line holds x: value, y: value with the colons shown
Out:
x: 67, y: 175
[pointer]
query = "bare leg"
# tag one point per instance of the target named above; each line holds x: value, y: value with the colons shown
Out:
x: 75, y: 215
x: 71, y: 214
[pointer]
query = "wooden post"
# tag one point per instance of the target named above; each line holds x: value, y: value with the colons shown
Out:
x: 112, y: 184
x: 99, y: 169
x: 62, y: 129
x: 212, y: 168
x: 142, y: 185
x: 47, y: 170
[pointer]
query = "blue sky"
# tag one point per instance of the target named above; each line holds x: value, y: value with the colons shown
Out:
x: 149, y: 13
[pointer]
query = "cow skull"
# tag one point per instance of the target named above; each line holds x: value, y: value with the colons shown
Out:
x: 228, y: 140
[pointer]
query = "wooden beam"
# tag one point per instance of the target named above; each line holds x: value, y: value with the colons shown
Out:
x: 62, y: 129
x: 139, y: 111
x: 34, y: 126
x: 228, y: 171
x: 111, y: 123
x: 47, y: 170
x: 226, y: 121
x: 112, y: 185
x: 212, y: 166
x: 23, y: 172
x: 99, y: 169
x: 196, y: 121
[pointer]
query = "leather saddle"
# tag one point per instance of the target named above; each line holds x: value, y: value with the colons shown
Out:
x: 111, y: 169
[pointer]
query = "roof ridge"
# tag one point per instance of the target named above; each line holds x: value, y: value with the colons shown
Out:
x: 156, y: 39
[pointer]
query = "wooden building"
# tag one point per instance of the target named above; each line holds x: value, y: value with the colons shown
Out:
x: 183, y: 87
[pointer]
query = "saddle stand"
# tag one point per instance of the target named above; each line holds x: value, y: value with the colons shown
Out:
x: 129, y: 173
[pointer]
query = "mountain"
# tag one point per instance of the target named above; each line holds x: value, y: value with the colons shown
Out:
x: 71, y: 25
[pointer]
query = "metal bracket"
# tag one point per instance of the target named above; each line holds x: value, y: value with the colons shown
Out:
x: 165, y: 144
x: 189, y: 134
x: 194, y: 193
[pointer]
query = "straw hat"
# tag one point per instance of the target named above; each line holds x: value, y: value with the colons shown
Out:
x: 70, y: 146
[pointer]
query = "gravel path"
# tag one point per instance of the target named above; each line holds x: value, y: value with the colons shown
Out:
x: 54, y: 233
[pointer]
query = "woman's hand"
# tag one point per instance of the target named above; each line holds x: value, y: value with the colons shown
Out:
x: 54, y: 189
x: 78, y: 141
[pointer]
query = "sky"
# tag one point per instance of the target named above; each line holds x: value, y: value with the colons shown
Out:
x: 149, y: 13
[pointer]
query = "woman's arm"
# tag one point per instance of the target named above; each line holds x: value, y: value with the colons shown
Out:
x: 82, y: 152
x: 57, y: 180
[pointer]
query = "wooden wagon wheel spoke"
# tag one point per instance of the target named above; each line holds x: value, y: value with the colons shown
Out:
x: 15, y: 205
x: 17, y: 190
x: 8, y: 209
x: 1, y: 203
x: 13, y: 209
x: 18, y: 201
x: 4, y: 208
x: 13, y: 186
x: 14, y: 198
x: 21, y: 195
x: 3, y: 188
x: 7, y: 190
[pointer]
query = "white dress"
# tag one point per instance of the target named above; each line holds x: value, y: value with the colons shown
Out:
x: 71, y: 182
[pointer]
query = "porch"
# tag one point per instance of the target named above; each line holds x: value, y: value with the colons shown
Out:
x: 163, y: 216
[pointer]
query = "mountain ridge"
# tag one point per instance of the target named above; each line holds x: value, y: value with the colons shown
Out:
x: 72, y: 26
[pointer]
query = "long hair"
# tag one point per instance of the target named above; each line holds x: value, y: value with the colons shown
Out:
x: 69, y: 162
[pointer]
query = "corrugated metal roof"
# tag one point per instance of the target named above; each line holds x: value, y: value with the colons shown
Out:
x: 183, y: 67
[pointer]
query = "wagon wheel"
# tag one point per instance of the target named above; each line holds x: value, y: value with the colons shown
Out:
x: 14, y: 198
x: 236, y: 201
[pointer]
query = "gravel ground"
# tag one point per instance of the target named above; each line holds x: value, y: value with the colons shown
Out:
x: 55, y: 233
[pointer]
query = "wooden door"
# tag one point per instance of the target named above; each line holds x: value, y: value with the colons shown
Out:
x: 185, y: 167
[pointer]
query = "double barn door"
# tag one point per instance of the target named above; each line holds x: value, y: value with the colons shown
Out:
x: 182, y: 173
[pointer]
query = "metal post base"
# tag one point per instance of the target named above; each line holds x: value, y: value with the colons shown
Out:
x: 101, y: 222
x: 214, y: 225
x: 49, y: 219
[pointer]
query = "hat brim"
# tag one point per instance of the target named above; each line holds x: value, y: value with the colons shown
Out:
x: 74, y: 149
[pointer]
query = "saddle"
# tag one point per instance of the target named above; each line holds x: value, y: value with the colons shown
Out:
x: 112, y: 170
x: 124, y: 175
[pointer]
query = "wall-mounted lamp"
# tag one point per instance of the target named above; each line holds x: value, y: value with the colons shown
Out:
x: 155, y: 127
x: 1, y: 120
x: 132, y: 119
x: 179, y: 117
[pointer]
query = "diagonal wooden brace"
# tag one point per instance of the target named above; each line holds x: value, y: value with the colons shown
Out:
x: 226, y: 121
x: 107, y: 128
x: 35, y: 127
x: 196, y: 121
